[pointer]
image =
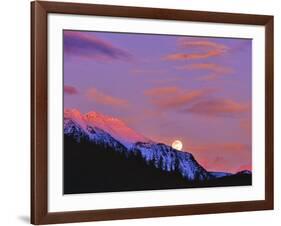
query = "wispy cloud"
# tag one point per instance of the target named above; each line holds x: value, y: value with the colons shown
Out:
x: 88, y: 46
x: 215, y: 70
x: 176, y: 98
x: 105, y: 99
x: 196, y: 48
x: 162, y: 91
x: 70, y: 90
x: 148, y: 72
x: 218, y: 108
x: 196, y: 101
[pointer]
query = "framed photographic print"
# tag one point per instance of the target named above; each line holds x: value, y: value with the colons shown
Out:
x: 145, y: 112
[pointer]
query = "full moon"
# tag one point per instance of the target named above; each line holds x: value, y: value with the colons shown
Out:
x: 177, y: 144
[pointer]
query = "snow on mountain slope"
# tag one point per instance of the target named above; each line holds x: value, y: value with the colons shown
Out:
x: 93, y: 134
x: 115, y: 127
x: 168, y: 159
x: 72, y: 128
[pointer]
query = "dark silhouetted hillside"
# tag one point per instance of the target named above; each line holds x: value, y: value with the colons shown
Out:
x: 90, y: 167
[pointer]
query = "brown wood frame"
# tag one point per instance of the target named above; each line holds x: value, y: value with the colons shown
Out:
x: 39, y: 117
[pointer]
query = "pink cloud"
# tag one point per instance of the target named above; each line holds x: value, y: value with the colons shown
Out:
x: 148, y: 72
x: 218, y: 107
x: 196, y: 101
x: 176, y: 98
x: 162, y: 91
x: 167, y: 81
x: 215, y: 70
x: 197, y: 49
x: 70, y: 90
x: 105, y: 99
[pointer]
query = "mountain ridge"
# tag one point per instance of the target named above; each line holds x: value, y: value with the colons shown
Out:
x: 114, y: 126
x: 95, y: 127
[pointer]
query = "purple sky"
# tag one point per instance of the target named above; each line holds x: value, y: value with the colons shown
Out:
x: 197, y: 90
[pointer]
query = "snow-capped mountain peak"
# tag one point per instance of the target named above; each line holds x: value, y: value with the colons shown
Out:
x: 115, y: 127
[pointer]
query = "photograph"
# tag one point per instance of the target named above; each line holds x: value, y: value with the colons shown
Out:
x: 143, y: 112
x: 155, y: 111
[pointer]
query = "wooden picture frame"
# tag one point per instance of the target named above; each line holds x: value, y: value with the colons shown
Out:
x: 39, y: 112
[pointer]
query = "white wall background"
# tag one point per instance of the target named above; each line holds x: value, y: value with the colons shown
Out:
x: 14, y: 113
